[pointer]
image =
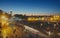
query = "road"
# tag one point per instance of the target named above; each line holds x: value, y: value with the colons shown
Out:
x: 34, y: 31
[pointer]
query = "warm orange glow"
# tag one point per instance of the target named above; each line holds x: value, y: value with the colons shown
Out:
x: 42, y: 18
x: 32, y: 19
x: 6, y: 31
x: 56, y: 17
x: 50, y: 19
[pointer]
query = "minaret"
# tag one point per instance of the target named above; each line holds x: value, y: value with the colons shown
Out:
x: 11, y: 13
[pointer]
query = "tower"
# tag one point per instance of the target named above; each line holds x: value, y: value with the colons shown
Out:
x: 11, y: 13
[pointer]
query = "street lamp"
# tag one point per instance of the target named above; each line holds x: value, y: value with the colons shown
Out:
x: 49, y: 33
x: 4, y: 19
x: 55, y: 31
x: 41, y: 24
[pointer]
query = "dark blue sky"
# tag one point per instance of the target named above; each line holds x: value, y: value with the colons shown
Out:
x: 31, y: 6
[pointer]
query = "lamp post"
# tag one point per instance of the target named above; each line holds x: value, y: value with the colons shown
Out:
x: 49, y: 33
x: 54, y: 30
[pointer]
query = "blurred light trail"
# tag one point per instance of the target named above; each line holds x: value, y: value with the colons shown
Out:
x: 34, y: 31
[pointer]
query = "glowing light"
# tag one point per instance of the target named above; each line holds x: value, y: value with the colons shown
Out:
x: 56, y: 17
x: 57, y: 23
x: 4, y: 17
x: 32, y: 19
x: 29, y: 19
x: 54, y: 25
x: 51, y: 19
x: 49, y: 33
x: 42, y: 18
x: 58, y: 33
x: 41, y: 24
x: 6, y: 31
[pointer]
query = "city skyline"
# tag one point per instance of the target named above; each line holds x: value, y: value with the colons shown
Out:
x: 31, y: 6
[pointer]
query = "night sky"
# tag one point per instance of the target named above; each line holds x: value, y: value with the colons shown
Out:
x: 31, y: 6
